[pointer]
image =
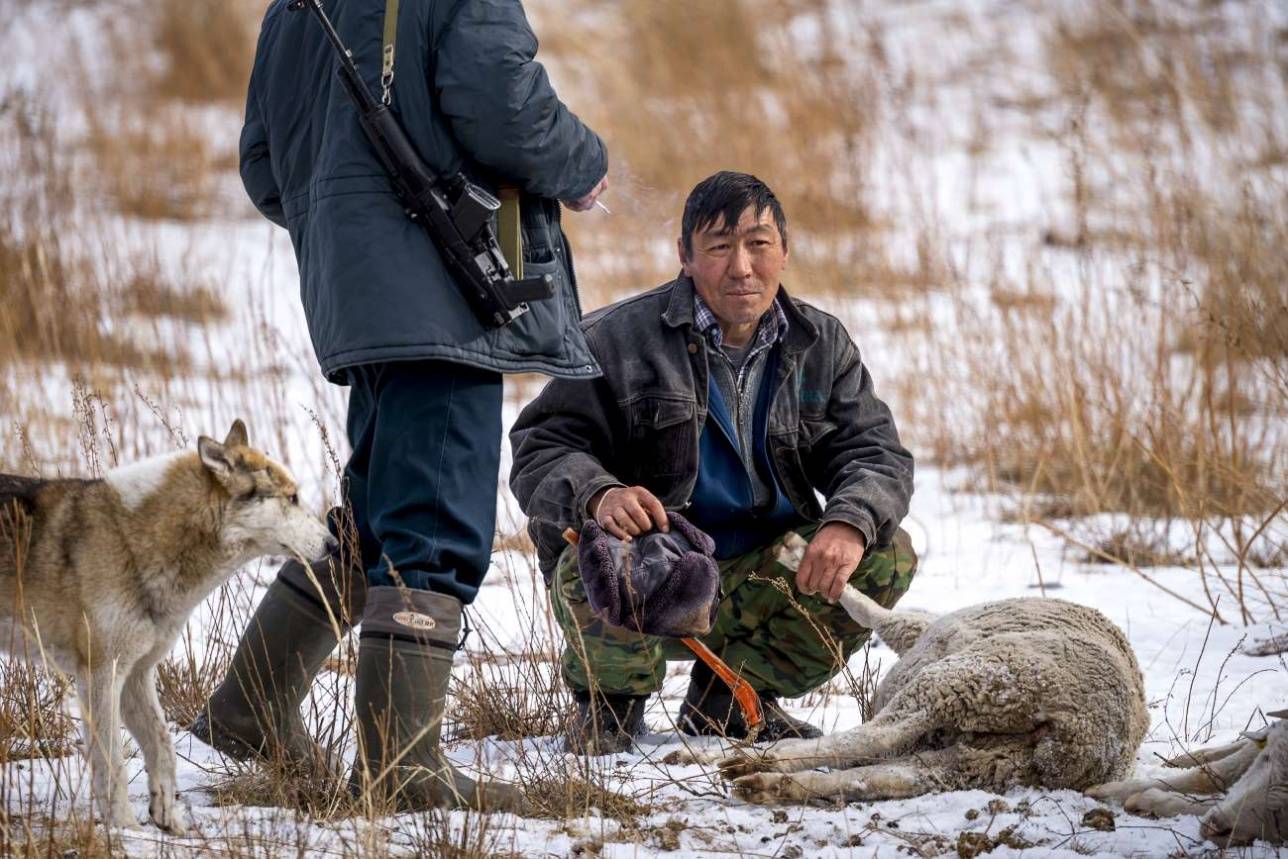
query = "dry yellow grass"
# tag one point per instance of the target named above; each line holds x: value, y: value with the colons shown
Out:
x: 33, y: 715
x: 207, y: 47
x: 1155, y: 385
x: 681, y: 90
x: 154, y: 165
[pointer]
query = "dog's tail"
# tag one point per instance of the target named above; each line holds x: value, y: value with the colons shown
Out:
x: 20, y: 491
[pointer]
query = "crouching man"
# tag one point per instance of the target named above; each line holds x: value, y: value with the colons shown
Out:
x: 723, y: 397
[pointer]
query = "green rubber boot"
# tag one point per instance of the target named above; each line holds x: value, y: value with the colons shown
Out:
x: 255, y: 712
x: 404, y: 664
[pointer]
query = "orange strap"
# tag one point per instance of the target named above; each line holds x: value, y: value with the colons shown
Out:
x: 748, y: 700
x: 743, y: 693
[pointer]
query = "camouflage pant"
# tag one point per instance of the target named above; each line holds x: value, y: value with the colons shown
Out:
x: 760, y: 631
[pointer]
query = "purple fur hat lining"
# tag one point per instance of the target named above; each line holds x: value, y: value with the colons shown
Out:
x: 657, y: 584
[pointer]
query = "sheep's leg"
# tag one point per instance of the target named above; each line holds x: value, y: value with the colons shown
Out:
x: 1212, y: 778
x: 865, y: 610
x: 897, y: 779
x: 1272, y: 646
x: 898, y: 629
x: 888, y: 734
x: 1256, y: 806
x: 996, y: 765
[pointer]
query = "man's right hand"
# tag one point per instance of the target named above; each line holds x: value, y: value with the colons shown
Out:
x: 628, y: 511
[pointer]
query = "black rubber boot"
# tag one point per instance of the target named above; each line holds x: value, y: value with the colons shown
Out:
x: 710, y: 710
x: 605, y: 724
x: 404, y: 664
x: 255, y: 712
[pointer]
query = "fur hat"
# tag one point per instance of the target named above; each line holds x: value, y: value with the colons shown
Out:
x: 657, y: 584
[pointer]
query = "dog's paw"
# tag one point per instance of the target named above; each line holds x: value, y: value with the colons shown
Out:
x: 167, y: 813
x: 747, y: 762
x: 122, y: 817
x: 768, y: 788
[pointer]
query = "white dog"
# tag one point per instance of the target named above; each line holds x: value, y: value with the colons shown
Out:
x: 101, y: 575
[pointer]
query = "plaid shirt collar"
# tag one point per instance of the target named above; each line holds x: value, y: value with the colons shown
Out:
x: 771, y: 329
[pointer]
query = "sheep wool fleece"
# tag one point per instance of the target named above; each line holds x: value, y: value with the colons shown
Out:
x: 780, y: 640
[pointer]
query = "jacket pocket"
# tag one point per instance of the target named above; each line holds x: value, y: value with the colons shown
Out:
x: 662, y: 437
x: 813, y: 431
x: 787, y: 455
x: 541, y: 331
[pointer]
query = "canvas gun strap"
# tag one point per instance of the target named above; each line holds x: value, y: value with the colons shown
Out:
x: 509, y: 229
x: 387, y: 52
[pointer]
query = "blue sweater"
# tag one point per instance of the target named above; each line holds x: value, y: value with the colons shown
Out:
x: 723, y: 502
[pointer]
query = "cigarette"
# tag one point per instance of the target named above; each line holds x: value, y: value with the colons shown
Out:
x: 602, y: 206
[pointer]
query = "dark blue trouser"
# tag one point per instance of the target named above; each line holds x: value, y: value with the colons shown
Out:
x: 422, y: 480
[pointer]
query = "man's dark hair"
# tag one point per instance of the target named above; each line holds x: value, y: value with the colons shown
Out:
x: 720, y: 199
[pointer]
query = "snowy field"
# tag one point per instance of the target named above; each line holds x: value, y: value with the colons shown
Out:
x: 986, y: 209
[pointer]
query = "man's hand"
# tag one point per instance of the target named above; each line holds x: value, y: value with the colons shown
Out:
x: 830, y: 560
x: 628, y: 511
x: 587, y: 201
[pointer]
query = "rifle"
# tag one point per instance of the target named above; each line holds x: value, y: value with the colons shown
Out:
x: 456, y: 212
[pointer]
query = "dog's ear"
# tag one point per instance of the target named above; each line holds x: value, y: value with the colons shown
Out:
x: 215, y: 457
x: 237, y: 435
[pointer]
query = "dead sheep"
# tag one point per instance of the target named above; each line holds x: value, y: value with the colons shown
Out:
x: 1241, y: 790
x: 1020, y: 692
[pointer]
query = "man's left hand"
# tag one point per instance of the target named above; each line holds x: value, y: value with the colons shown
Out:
x: 585, y: 203
x: 830, y: 560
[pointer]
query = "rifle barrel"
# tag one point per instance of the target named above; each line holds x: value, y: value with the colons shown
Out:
x: 347, y: 66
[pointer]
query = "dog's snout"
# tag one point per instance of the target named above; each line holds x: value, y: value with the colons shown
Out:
x: 330, y: 545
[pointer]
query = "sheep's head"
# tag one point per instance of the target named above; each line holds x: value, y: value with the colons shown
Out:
x: 1256, y: 806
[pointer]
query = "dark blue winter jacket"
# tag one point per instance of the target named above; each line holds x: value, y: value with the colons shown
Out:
x: 471, y: 97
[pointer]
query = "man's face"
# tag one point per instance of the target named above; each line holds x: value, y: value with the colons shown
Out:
x: 736, y: 271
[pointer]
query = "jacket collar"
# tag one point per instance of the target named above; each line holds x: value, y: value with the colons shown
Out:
x: 801, y: 333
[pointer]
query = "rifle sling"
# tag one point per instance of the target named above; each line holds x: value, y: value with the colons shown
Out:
x: 387, y: 51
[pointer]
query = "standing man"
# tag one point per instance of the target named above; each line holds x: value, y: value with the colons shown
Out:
x: 387, y: 320
x: 726, y: 398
